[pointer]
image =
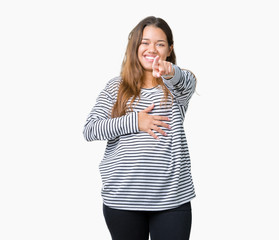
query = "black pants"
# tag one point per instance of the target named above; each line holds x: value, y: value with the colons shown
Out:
x: 173, y: 224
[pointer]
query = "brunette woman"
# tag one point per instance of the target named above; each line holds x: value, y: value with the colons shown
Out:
x: 146, y: 169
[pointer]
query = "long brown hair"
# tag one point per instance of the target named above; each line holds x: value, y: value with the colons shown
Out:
x: 132, y: 71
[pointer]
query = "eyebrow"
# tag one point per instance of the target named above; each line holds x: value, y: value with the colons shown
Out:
x: 157, y: 41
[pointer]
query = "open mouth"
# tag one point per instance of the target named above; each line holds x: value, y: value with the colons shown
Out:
x: 149, y: 58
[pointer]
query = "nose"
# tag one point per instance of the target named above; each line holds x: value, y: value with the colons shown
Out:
x: 152, y: 48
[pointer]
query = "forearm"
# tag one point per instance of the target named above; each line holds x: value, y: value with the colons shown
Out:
x: 182, y: 84
x: 107, y: 129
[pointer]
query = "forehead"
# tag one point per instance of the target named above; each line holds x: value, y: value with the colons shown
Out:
x: 153, y: 33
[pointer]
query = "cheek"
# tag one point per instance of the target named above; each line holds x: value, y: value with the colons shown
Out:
x: 164, y: 55
x: 140, y: 50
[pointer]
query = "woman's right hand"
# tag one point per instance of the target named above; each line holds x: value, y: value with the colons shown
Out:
x: 147, y: 122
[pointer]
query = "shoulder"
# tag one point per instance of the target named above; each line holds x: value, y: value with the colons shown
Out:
x: 188, y: 72
x: 112, y: 86
x: 114, y: 83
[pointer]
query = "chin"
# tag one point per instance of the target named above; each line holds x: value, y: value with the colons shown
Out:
x: 147, y: 67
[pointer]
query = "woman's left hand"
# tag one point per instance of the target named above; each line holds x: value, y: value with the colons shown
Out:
x: 162, y: 68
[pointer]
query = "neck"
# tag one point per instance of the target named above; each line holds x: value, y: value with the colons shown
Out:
x: 148, y: 80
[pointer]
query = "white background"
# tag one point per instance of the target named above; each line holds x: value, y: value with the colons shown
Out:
x: 56, y: 56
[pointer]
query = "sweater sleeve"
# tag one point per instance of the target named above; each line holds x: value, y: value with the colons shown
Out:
x: 99, y: 124
x: 182, y: 85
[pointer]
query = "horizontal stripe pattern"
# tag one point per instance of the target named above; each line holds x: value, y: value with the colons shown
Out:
x: 139, y: 172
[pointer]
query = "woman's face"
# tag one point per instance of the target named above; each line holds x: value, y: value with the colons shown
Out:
x: 154, y: 43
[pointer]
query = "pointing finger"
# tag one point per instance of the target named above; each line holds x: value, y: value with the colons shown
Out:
x: 155, y: 62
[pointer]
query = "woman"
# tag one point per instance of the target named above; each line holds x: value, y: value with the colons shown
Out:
x: 146, y: 171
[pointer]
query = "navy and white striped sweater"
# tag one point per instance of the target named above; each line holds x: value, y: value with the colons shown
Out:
x: 139, y: 172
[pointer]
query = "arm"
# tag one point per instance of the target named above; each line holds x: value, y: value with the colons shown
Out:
x: 99, y: 124
x: 182, y: 85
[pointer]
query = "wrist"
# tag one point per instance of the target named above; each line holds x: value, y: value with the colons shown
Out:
x: 171, y: 74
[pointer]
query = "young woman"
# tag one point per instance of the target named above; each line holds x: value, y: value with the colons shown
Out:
x: 146, y: 170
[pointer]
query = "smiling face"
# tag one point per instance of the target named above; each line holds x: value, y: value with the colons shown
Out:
x: 154, y: 43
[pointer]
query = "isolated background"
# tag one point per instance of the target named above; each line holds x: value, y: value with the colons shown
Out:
x: 56, y: 56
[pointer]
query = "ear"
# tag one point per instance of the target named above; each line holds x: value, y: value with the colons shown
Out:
x: 171, y: 48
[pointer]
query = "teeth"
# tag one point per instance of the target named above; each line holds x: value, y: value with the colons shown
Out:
x: 150, y: 57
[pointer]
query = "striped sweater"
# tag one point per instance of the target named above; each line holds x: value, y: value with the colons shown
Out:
x: 139, y: 172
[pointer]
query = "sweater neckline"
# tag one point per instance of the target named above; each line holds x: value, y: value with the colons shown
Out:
x: 151, y: 89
